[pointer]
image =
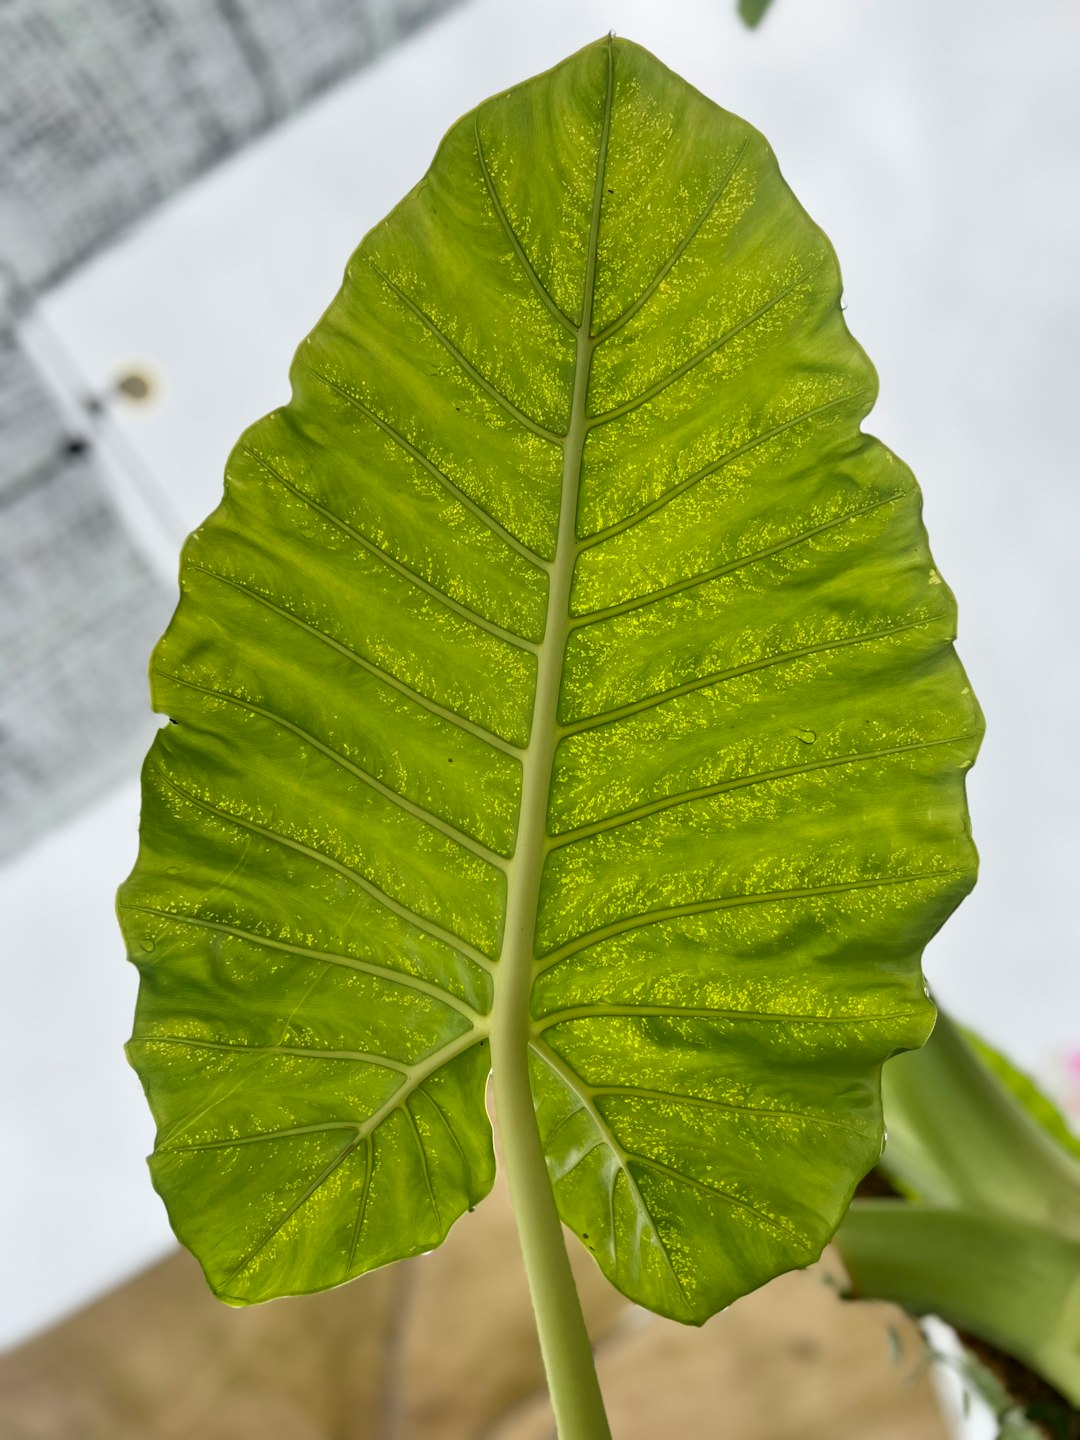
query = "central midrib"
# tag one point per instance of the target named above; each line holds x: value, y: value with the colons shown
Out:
x: 517, y: 958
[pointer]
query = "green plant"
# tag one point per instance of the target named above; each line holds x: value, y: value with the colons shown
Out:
x: 564, y: 672
x: 988, y: 1234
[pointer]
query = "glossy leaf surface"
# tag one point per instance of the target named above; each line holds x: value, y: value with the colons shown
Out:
x: 563, y: 619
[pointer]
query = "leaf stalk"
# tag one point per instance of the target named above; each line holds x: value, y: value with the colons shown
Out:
x: 564, y: 1340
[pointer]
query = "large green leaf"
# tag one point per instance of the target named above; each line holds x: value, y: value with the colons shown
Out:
x: 564, y: 616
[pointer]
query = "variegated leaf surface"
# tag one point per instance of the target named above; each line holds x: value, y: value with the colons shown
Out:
x: 564, y: 619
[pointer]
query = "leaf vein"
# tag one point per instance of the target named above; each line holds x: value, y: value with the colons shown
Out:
x: 411, y: 917
x: 598, y: 1143
x: 407, y: 1108
x: 474, y: 617
x: 692, y: 582
x: 569, y: 1076
x: 705, y: 1102
x: 259, y: 1137
x: 426, y: 1095
x: 717, y: 677
x: 702, y: 907
x: 466, y: 365
x: 497, y: 206
x: 323, y: 957
x: 402, y: 686
x: 665, y: 269
x: 465, y: 500
x: 302, y: 1052
x: 361, y: 1209
x: 743, y: 782
x: 610, y: 1010
x: 673, y: 491
x: 297, y: 1204
x: 714, y: 1190
x: 419, y: 1073
x: 363, y: 1132
x: 659, y: 386
x: 407, y: 806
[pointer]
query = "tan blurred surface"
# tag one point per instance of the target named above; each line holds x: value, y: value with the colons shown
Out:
x: 443, y: 1348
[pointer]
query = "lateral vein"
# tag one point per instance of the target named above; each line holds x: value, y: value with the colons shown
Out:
x: 425, y: 462
x: 299, y: 1052
x: 742, y: 782
x: 717, y: 677
x: 628, y: 521
x: 361, y: 1132
x: 716, y: 1192
x: 711, y: 1012
x: 323, y: 957
x: 519, y: 250
x: 705, y: 1102
x: 474, y: 617
x: 402, y: 686
x: 407, y: 1111
x: 676, y: 255
x: 395, y: 907
x: 361, y: 1209
x: 702, y: 907
x: 659, y: 386
x: 577, y: 1087
x: 407, y: 806
x: 741, y: 562
x: 478, y: 379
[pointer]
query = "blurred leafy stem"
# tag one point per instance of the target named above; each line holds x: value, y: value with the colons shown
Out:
x: 989, y: 1235
x: 564, y: 672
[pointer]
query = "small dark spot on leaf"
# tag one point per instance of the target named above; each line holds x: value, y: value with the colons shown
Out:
x: 610, y: 191
x: 449, y: 760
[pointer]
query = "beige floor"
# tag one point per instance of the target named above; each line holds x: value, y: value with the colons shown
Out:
x: 442, y: 1348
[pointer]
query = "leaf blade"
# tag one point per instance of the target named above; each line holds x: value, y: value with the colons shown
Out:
x: 563, y: 640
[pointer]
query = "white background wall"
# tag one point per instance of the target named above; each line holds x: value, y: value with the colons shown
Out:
x: 936, y: 143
